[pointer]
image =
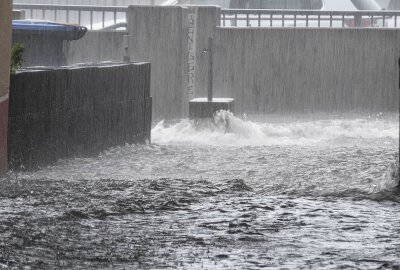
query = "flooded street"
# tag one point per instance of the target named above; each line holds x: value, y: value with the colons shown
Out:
x: 268, y: 192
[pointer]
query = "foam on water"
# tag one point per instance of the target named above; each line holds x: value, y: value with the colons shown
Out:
x: 315, y: 155
x: 279, y: 131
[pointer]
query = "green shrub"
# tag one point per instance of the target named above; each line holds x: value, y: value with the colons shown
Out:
x: 16, y: 57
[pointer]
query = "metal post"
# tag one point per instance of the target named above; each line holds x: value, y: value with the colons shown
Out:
x: 210, y: 69
x: 103, y: 18
x: 357, y: 20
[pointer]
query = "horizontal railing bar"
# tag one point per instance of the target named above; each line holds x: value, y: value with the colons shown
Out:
x: 309, y: 12
x: 291, y: 17
x: 72, y: 7
x: 286, y: 19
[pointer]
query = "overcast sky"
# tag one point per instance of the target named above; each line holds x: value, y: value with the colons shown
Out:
x: 339, y: 5
x: 348, y: 5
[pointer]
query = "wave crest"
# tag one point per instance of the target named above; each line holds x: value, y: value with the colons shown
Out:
x: 227, y: 129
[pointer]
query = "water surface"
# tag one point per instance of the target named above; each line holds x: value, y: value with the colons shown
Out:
x: 269, y: 191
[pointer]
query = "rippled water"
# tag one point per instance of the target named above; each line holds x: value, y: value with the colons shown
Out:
x: 268, y: 191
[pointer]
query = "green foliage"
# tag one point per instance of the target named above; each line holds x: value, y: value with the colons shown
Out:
x: 16, y: 57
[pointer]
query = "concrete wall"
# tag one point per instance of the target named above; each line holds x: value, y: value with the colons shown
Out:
x: 41, y: 49
x: 96, y: 46
x: 76, y: 111
x: 50, y: 50
x: 268, y: 70
x: 5, y: 47
x: 159, y: 35
x: 18, y: 14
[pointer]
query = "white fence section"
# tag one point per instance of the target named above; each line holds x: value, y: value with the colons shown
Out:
x: 99, y: 17
x: 93, y: 17
x: 308, y: 18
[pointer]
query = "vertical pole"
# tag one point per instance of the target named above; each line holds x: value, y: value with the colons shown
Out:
x: 357, y: 20
x: 125, y: 44
x: 210, y: 69
x: 5, y: 52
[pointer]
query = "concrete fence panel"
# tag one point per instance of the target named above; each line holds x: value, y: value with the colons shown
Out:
x: 96, y: 46
x: 268, y: 70
x: 43, y: 49
x: 159, y: 35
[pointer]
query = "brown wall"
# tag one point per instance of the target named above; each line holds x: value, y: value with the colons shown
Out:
x: 5, y: 45
x: 5, y: 37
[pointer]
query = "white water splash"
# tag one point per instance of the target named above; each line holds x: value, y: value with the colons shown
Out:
x: 273, y: 131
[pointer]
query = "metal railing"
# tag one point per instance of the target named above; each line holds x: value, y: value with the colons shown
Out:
x: 99, y: 17
x: 307, y: 18
x: 93, y: 17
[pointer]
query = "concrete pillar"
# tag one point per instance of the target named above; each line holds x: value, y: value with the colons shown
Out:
x: 172, y: 38
x: 5, y: 52
x: 202, y: 21
x: 158, y: 34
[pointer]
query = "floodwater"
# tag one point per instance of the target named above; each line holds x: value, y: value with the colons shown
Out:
x: 309, y: 192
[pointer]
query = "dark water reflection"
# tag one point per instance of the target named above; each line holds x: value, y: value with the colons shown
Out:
x: 203, y: 206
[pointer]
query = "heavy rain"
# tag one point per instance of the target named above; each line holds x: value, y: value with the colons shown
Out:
x: 200, y: 134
